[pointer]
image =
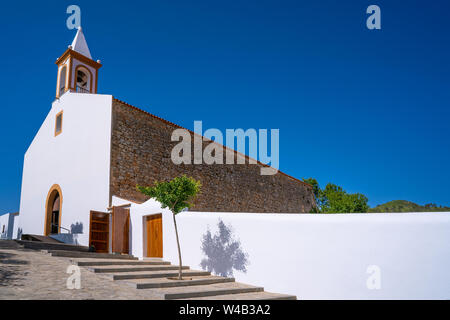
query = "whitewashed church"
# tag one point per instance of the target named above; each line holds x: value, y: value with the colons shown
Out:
x: 81, y: 170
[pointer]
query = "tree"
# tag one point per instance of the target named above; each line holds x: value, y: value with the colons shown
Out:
x: 334, y: 199
x: 176, y: 195
x: 337, y: 200
x: 317, y: 194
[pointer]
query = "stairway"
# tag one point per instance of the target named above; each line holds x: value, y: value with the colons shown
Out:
x: 40, y: 245
x: 61, y: 252
x: 36, y: 237
x: 9, y: 245
x: 39, y: 242
x: 56, y: 248
x: 153, y: 274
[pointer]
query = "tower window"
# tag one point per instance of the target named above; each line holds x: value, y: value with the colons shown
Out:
x: 58, y: 123
x: 62, y: 81
x: 83, y: 80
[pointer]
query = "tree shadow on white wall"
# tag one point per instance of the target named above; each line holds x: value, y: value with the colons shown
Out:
x: 76, y: 228
x: 223, y: 252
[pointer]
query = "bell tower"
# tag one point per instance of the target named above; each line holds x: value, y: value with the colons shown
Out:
x: 77, y: 72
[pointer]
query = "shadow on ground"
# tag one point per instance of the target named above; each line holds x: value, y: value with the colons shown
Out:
x: 11, y: 271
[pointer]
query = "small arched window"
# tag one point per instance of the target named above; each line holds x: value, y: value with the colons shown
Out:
x: 58, y: 123
x: 62, y: 80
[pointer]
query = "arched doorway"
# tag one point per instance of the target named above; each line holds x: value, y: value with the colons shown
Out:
x: 53, y: 208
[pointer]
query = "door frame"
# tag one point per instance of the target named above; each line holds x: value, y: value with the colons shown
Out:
x: 54, y: 190
x: 146, y: 235
x: 107, y: 222
x: 126, y: 235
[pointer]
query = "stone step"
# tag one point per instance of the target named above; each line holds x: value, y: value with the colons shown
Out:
x: 205, y: 290
x: 248, y: 296
x: 109, y: 269
x: 168, y: 283
x: 116, y: 262
x: 37, y: 245
x: 9, y: 244
x: 36, y: 237
x: 152, y: 274
x: 93, y: 255
x: 156, y: 274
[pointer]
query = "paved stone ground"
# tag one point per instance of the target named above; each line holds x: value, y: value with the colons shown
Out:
x: 27, y: 274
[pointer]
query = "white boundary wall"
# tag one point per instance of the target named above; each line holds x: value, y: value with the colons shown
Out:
x: 321, y: 256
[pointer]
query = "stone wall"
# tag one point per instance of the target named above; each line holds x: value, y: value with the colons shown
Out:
x: 141, y: 153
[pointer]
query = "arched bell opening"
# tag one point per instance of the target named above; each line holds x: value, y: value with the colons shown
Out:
x: 83, y: 80
x: 62, y: 81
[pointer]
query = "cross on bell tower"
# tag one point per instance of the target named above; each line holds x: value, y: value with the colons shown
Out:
x: 77, y: 72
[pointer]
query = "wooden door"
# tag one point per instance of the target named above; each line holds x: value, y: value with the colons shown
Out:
x: 120, y: 230
x: 99, y: 231
x: 154, y: 236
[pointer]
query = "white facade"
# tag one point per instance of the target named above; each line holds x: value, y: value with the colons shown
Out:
x: 78, y: 160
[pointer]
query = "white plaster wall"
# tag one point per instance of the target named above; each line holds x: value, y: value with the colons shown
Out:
x: 138, y: 212
x: 321, y: 256
x: 16, y: 226
x: 78, y: 160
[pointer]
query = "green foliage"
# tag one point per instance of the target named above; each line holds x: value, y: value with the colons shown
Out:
x: 337, y: 200
x: 407, y: 206
x: 316, y: 189
x: 334, y: 199
x: 176, y: 194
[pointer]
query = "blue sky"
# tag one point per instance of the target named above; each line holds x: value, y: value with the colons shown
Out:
x: 367, y: 110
